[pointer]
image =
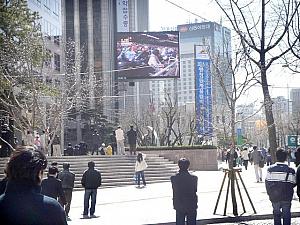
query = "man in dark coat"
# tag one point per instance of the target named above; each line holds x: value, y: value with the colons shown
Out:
x: 22, y: 202
x: 184, y: 194
x: 91, y: 180
x: 132, y: 135
x: 67, y: 180
x: 280, y: 182
x: 52, y: 187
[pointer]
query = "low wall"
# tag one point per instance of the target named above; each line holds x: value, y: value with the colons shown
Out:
x: 201, y: 159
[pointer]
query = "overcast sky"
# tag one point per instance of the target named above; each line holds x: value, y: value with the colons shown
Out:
x: 164, y: 14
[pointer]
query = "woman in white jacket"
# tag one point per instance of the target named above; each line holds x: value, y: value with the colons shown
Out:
x: 140, y: 166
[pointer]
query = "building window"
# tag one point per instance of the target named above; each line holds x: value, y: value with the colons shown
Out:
x: 48, y: 59
x: 56, y: 62
x: 57, y: 39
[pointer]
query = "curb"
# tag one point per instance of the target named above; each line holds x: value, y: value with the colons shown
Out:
x: 231, y: 219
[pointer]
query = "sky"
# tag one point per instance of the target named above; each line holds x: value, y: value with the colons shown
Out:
x: 163, y: 14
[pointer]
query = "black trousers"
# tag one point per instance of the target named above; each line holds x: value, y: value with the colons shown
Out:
x: 68, y: 196
x: 190, y: 216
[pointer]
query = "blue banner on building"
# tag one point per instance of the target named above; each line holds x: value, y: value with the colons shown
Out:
x: 203, y: 98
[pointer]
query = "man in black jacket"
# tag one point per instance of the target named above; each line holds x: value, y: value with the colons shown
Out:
x: 91, y: 180
x: 184, y: 194
x: 132, y: 135
x: 67, y: 180
x: 52, y: 187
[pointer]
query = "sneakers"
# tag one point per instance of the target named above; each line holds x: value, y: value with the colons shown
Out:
x: 85, y: 216
x: 93, y: 216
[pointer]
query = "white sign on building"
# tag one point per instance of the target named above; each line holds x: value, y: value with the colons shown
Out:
x: 122, y: 16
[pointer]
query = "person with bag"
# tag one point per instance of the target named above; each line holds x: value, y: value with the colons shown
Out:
x: 257, y: 158
x: 140, y: 166
x: 280, y: 182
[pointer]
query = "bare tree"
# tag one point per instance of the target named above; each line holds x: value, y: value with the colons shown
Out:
x: 264, y: 40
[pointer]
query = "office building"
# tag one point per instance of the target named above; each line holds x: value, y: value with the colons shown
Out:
x: 295, y: 99
x: 217, y: 39
x: 91, y: 26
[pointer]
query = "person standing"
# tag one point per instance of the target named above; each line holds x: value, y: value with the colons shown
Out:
x: 22, y: 202
x: 91, y: 180
x: 297, y: 157
x: 56, y: 146
x: 185, y: 198
x: 245, y: 157
x: 132, y: 136
x: 70, y: 150
x: 256, y: 157
x: 43, y: 142
x: 113, y: 143
x: 280, y: 182
x: 140, y: 166
x: 120, y: 141
x: 298, y: 182
x: 52, y: 187
x: 67, y: 180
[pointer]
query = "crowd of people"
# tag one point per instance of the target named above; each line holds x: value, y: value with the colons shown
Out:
x: 24, y: 184
x: 52, y: 146
x: 29, y: 199
x: 151, y: 58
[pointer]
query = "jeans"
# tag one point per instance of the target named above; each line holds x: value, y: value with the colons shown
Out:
x: 140, y: 174
x: 191, y: 218
x: 282, y: 209
x: 89, y: 193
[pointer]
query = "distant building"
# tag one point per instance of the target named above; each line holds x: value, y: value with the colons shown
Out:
x: 50, y: 21
x: 218, y: 39
x: 91, y: 25
x: 295, y: 98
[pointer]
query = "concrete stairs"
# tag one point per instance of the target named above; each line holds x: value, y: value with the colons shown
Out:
x: 116, y: 170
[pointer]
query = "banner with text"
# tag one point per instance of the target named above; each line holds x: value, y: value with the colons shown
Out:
x: 203, y: 98
x: 122, y: 16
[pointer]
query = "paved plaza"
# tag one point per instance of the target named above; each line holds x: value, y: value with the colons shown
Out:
x: 153, y: 204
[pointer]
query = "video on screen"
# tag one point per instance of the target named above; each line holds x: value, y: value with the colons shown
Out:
x: 147, y: 55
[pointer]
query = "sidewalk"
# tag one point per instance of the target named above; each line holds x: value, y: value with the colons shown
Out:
x: 153, y: 204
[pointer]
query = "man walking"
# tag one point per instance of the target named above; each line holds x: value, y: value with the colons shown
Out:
x: 132, y: 135
x: 91, y: 180
x: 184, y: 194
x: 52, y: 187
x: 256, y: 157
x: 67, y: 180
x: 120, y: 141
x: 280, y: 183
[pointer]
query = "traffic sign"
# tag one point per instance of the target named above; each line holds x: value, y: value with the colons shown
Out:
x: 293, y: 140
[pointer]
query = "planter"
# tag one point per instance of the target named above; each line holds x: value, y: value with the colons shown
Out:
x: 201, y: 159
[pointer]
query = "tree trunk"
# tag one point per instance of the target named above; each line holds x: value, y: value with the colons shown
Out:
x: 269, y: 115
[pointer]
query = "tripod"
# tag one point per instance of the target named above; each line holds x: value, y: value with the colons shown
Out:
x: 232, y: 179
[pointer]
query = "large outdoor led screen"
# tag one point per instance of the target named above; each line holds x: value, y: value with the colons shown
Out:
x: 142, y: 55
